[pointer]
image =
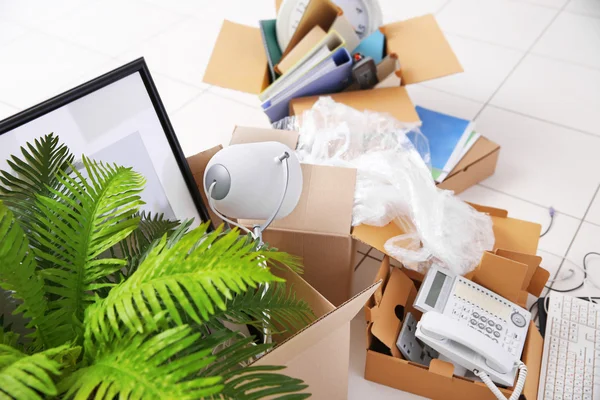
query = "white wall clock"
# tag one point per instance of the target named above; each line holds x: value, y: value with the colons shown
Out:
x: 364, y: 15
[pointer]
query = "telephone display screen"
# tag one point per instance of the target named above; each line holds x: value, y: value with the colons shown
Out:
x: 436, y: 288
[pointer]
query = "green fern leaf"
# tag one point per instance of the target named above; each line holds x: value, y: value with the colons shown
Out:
x: 285, y: 311
x: 232, y: 358
x: 151, y: 229
x: 77, y: 227
x: 34, y: 174
x: 196, y: 276
x: 18, y: 272
x: 146, y: 367
x: 30, y: 376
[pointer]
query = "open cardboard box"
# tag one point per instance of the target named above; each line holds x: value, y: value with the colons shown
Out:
x: 327, y: 259
x: 512, y: 270
x: 239, y: 62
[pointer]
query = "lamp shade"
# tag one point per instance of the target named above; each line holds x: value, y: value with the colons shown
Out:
x: 250, y: 180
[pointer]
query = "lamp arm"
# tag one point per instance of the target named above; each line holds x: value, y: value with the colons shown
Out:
x: 259, y: 229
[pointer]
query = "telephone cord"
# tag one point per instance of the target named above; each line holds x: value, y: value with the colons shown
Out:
x: 518, y: 387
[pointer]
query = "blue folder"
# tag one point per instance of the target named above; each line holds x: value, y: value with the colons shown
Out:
x: 329, y: 76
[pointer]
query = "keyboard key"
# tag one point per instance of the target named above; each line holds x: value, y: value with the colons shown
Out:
x: 573, y: 337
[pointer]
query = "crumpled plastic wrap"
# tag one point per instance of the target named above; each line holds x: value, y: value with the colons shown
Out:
x: 394, y: 184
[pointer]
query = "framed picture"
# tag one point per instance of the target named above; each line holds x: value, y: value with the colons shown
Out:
x: 116, y: 118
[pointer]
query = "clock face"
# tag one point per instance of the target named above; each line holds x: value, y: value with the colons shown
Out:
x: 296, y: 16
x: 363, y: 15
x: 357, y: 13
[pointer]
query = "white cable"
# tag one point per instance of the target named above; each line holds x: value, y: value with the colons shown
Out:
x: 586, y: 273
x: 518, y: 387
x: 569, y: 275
x: 224, y: 218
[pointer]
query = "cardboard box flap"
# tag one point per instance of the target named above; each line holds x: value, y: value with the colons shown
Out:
x: 422, y: 49
x: 516, y: 235
x: 538, y: 281
x: 399, y: 291
x: 492, y: 211
x: 501, y: 275
x: 326, y: 202
x: 318, y: 12
x: 238, y: 60
x: 532, y: 261
x: 482, y: 148
x: 242, y: 135
x: 394, y: 101
x: 198, y: 163
x: 318, y: 330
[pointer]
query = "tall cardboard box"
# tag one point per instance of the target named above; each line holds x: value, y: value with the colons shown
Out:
x: 512, y: 270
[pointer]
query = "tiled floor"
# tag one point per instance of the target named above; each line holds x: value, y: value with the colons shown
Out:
x: 532, y: 82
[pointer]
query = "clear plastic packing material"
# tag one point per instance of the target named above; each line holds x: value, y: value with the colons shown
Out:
x: 394, y: 184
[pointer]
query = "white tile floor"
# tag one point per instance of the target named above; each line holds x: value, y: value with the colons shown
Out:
x: 532, y: 82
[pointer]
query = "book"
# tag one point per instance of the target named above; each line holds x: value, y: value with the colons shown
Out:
x: 329, y: 76
x: 449, y: 140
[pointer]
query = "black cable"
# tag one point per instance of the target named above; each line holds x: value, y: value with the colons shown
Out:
x: 551, y: 211
x: 533, y: 305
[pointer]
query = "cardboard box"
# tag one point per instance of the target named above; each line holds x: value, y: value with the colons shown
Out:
x: 512, y: 270
x: 319, y: 228
x: 239, y: 62
x: 327, y: 339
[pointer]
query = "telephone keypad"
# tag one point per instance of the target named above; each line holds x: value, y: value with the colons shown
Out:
x: 489, y: 325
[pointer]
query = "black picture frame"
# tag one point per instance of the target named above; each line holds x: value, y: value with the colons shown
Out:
x: 136, y: 66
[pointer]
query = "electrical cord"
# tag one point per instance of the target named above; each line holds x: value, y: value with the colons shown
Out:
x: 586, y: 278
x: 551, y: 211
x: 224, y: 218
x: 518, y: 387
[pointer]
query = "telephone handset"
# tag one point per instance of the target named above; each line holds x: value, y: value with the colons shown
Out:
x: 472, y: 326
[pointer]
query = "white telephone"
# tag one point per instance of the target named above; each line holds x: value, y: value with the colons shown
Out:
x: 473, y: 327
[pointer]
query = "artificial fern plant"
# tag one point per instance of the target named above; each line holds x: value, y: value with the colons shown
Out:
x: 123, y: 304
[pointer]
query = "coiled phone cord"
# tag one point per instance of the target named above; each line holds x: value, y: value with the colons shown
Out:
x: 518, y: 387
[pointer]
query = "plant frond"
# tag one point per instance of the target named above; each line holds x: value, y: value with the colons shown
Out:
x: 285, y: 311
x: 18, y: 271
x: 9, y: 338
x: 199, y: 273
x: 76, y: 227
x: 150, y: 230
x: 146, y: 367
x: 33, y: 175
x: 232, y: 356
x: 25, y: 376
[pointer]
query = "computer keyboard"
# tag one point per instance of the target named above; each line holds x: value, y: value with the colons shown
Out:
x: 571, y: 359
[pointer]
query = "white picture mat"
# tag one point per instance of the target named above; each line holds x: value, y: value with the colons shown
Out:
x: 103, y: 118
